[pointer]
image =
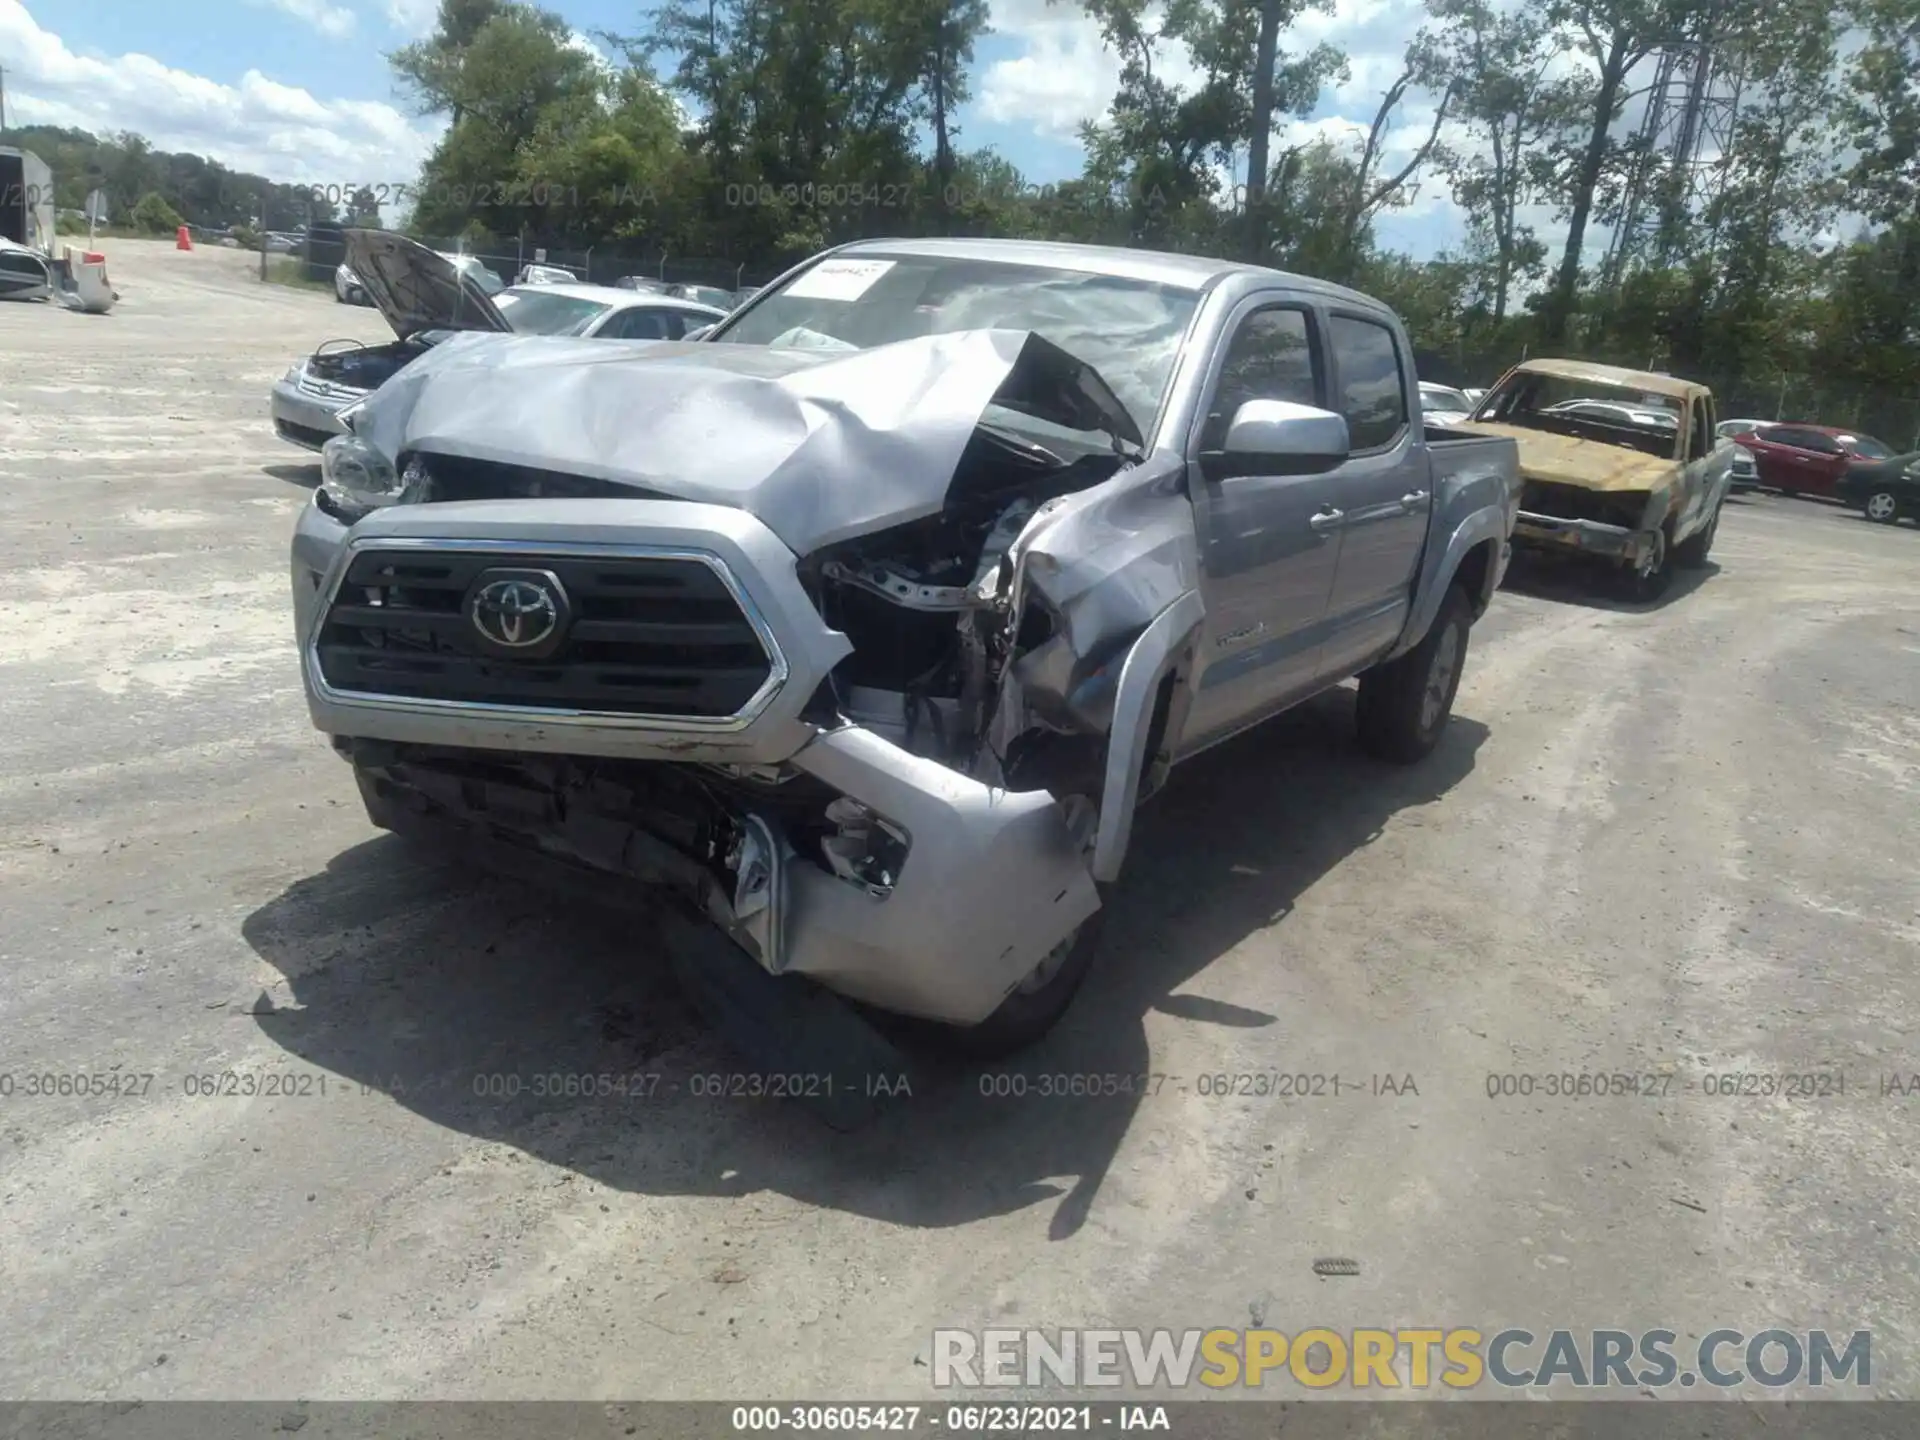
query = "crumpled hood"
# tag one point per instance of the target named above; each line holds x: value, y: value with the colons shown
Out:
x: 1565, y: 460
x: 819, y: 445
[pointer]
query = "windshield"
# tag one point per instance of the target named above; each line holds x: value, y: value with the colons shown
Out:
x: 536, y: 312
x: 1866, y: 447
x: 1588, y: 410
x: 1127, y: 330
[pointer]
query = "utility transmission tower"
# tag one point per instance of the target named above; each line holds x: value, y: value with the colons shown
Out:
x: 1682, y: 148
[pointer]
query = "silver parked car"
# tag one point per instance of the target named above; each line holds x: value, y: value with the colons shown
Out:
x: 1444, y: 405
x: 1746, y: 474
x: 426, y: 296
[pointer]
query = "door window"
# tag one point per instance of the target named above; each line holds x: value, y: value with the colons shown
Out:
x: 1802, y: 439
x: 1373, y: 390
x: 1699, y: 438
x: 1271, y: 357
x: 639, y: 324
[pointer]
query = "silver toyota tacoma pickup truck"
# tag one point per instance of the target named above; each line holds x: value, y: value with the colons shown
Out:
x: 864, y: 622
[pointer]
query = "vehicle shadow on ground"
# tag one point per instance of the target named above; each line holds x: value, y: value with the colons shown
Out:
x: 1573, y: 581
x: 448, y: 990
x: 303, y: 474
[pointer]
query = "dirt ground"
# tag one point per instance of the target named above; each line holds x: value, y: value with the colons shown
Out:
x: 1675, y: 841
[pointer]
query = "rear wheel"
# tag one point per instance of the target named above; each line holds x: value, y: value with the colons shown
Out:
x: 1074, y: 770
x: 1882, y: 507
x: 1405, y: 704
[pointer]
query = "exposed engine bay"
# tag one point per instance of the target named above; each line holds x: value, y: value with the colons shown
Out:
x: 930, y: 606
x: 363, y: 367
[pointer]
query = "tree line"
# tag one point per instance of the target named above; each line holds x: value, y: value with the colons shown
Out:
x: 1784, y: 268
x: 159, y: 190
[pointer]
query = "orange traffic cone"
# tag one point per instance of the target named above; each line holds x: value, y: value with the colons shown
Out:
x: 184, y: 241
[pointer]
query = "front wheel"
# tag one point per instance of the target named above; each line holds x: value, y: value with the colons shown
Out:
x: 1405, y: 704
x: 1075, y: 771
x: 1882, y: 507
x: 1648, y: 579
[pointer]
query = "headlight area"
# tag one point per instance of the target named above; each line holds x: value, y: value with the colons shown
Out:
x: 356, y: 479
x: 725, y: 838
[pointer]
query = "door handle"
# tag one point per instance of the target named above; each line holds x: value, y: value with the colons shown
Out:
x: 1326, y: 520
x: 1413, y: 499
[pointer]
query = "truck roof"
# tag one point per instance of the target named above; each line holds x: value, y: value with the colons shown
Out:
x: 1196, y: 272
x: 1649, y: 381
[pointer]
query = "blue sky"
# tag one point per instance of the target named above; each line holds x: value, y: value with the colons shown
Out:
x: 300, y: 90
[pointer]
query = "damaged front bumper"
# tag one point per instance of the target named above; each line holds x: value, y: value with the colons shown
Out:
x: 821, y: 847
x: 1622, y: 543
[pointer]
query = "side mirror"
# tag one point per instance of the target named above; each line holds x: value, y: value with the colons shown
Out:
x: 697, y: 334
x: 1278, y: 437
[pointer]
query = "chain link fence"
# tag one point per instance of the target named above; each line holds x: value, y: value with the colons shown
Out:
x: 321, y: 247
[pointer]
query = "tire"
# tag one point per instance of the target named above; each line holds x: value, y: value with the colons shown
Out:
x: 1691, y: 553
x: 1075, y: 771
x: 1648, y: 581
x: 1405, y: 704
x: 1882, y: 507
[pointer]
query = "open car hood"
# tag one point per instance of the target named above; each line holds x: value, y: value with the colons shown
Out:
x: 417, y: 288
x: 820, y: 445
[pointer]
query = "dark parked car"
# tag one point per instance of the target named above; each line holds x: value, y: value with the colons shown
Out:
x: 1798, y: 459
x: 1883, y: 490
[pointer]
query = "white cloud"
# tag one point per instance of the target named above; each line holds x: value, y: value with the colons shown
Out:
x: 334, y: 21
x: 1067, y: 76
x: 413, y: 18
x: 259, y: 125
x: 591, y: 49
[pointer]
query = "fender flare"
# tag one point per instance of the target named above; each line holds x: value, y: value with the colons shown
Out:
x: 1478, y: 529
x: 1147, y: 663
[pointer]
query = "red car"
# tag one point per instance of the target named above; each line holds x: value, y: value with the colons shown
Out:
x: 1798, y: 459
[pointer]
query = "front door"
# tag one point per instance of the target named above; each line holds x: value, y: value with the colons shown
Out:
x: 1796, y: 460
x: 1268, y: 543
x: 1384, y: 491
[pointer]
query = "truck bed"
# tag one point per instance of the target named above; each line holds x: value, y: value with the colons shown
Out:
x: 1460, y: 454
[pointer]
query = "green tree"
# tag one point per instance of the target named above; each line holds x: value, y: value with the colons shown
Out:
x: 1613, y: 37
x: 1501, y: 62
x: 154, y: 216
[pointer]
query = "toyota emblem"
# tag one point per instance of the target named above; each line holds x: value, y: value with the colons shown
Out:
x: 519, y: 612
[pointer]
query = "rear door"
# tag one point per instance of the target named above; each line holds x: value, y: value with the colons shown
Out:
x: 1696, y: 466
x: 1383, y: 491
x: 1268, y: 542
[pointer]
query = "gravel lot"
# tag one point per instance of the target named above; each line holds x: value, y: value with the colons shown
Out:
x: 1679, y: 840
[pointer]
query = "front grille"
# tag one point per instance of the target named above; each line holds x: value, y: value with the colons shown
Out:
x: 649, y: 635
x: 304, y: 434
x: 1573, y: 502
x: 312, y: 385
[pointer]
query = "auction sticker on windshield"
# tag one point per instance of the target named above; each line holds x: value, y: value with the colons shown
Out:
x: 839, y: 279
